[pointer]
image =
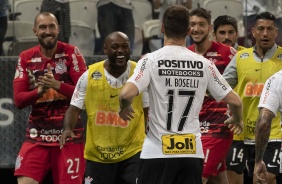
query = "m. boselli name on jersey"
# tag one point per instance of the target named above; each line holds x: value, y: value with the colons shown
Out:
x: 181, y: 65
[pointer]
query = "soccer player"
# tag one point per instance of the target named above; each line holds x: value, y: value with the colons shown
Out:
x: 216, y: 136
x: 247, y: 73
x: 45, y: 79
x: 270, y: 103
x: 112, y: 148
x: 177, y: 80
x: 225, y: 30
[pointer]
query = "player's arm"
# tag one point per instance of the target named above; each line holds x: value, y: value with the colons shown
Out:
x: 236, y: 108
x: 76, y: 69
x: 220, y: 90
x: 75, y: 108
x: 135, y: 85
x: 127, y: 94
x: 230, y: 73
x: 262, y: 132
x: 268, y: 107
x: 25, y: 87
x: 70, y: 121
x: 23, y: 97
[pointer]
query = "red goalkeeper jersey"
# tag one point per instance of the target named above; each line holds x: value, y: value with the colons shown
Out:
x: 213, y: 114
x: 45, y: 122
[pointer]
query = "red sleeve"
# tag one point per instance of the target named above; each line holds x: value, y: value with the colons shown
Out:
x: 76, y: 69
x: 23, y: 97
x: 66, y: 89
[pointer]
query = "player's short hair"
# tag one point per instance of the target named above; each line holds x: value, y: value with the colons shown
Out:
x: 44, y: 14
x: 201, y: 12
x: 176, y: 21
x: 266, y: 16
x: 223, y: 20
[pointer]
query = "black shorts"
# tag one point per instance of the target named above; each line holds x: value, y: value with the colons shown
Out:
x: 113, y: 173
x: 270, y: 158
x: 170, y: 171
x: 236, y: 157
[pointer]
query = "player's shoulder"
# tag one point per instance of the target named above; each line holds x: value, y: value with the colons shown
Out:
x: 65, y: 45
x: 279, y: 48
x: 274, y: 81
x: 278, y: 75
x: 30, y: 53
x: 239, y: 48
x: 216, y: 44
x: 31, y: 50
x: 96, y: 64
x: 68, y: 49
x: 244, y: 53
x: 152, y: 56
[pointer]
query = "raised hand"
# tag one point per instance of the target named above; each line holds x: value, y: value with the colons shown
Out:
x: 127, y: 113
x: 236, y: 127
x: 32, y: 80
x: 48, y: 80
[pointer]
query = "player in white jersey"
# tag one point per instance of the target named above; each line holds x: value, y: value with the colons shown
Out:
x: 270, y: 103
x: 177, y: 80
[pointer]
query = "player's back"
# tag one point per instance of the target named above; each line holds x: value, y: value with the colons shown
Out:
x: 179, y: 82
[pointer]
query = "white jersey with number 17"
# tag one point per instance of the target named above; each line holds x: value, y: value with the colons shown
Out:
x: 177, y: 80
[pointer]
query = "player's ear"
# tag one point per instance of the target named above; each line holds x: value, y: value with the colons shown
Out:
x: 105, y: 49
x: 58, y: 29
x: 34, y: 31
x: 210, y: 28
x: 162, y: 28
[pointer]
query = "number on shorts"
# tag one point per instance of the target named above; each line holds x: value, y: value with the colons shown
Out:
x: 183, y: 118
x: 275, y: 157
x: 240, y: 154
x: 71, y: 168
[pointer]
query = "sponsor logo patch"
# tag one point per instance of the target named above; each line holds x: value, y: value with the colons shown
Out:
x: 279, y: 56
x: 33, y: 133
x: 244, y: 55
x: 60, y: 55
x: 213, y: 54
x: 61, y: 67
x: 96, y: 75
x: 18, y: 162
x: 36, y: 60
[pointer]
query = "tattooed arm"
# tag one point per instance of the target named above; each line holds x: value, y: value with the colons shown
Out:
x: 262, y: 133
